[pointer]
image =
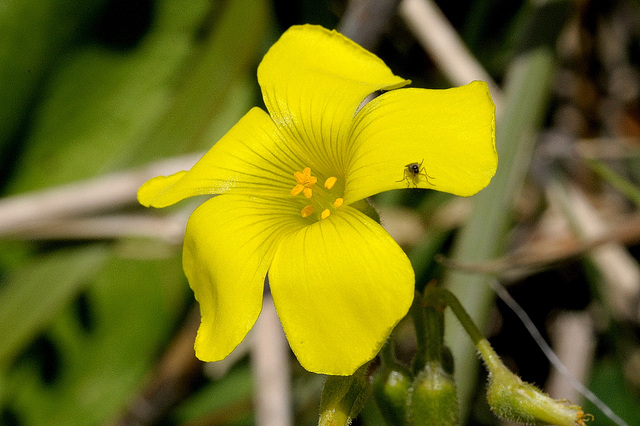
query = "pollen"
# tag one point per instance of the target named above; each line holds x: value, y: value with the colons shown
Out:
x: 307, y: 211
x: 325, y: 213
x: 330, y: 182
x: 338, y: 202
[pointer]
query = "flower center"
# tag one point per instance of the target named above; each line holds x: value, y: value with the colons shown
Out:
x: 321, y: 200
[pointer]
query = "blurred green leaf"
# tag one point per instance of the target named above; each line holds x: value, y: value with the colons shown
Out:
x: 106, y: 110
x: 32, y: 35
x: 628, y: 188
x: 608, y: 381
x: 31, y: 296
x: 229, y: 398
x: 132, y: 307
x: 100, y: 102
x: 230, y: 52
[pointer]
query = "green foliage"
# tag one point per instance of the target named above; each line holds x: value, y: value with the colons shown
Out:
x: 33, y: 36
x: 608, y: 380
x: 101, y: 317
x: 83, y: 324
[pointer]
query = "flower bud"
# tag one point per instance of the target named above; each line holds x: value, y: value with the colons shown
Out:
x: 391, y: 385
x: 513, y: 399
x: 432, y: 398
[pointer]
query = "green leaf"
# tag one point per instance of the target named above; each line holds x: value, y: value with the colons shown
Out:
x: 100, y: 103
x: 608, y: 381
x: 98, y: 364
x: 31, y: 295
x: 230, y: 52
x: 32, y: 35
x: 230, y: 397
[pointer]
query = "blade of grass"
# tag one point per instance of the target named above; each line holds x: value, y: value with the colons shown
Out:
x: 483, y: 236
x: 631, y: 191
x: 526, y: 92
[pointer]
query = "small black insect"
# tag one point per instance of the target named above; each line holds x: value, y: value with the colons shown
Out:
x: 412, y: 173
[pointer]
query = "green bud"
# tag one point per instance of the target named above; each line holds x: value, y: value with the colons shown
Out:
x: 391, y: 385
x: 343, y: 397
x: 432, y: 398
x: 513, y: 399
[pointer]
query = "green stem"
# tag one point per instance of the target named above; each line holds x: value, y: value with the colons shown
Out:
x: 508, y: 396
x: 441, y: 297
x: 420, y: 324
x: 434, y: 315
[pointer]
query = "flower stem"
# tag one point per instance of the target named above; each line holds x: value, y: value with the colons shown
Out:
x: 434, y: 315
x: 420, y: 324
x: 508, y: 396
x: 440, y: 296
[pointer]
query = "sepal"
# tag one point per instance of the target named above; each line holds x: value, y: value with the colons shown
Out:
x: 343, y: 397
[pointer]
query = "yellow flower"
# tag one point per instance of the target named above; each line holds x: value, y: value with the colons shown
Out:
x: 292, y: 186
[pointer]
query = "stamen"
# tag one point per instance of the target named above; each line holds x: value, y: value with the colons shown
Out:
x: 322, y: 200
x: 307, y: 211
x: 330, y: 182
x: 304, y: 176
x: 297, y: 189
x: 308, y: 192
x: 305, y: 182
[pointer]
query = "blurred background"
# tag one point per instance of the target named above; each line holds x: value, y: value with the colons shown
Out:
x: 96, y: 318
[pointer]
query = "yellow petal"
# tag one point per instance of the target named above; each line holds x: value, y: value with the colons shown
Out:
x: 153, y: 190
x: 251, y: 158
x: 451, y: 132
x: 228, y: 246
x: 340, y: 286
x: 313, y: 81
